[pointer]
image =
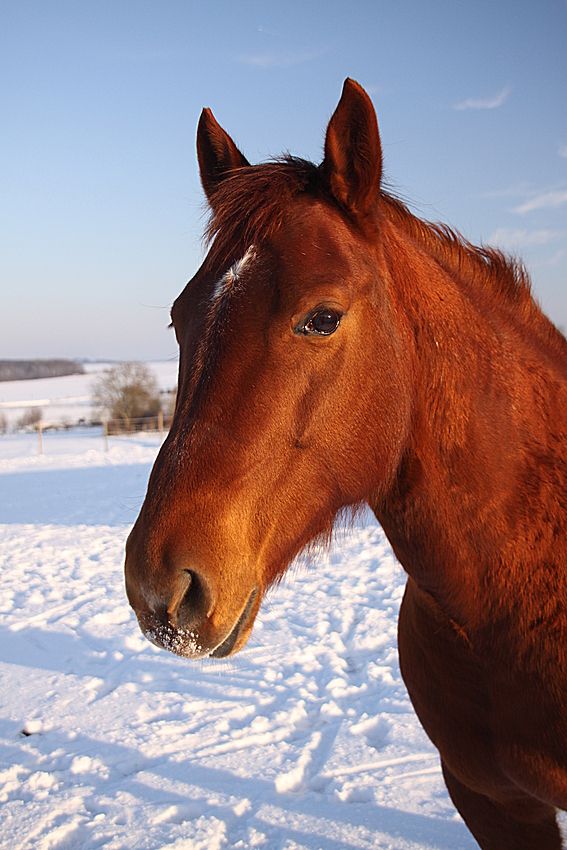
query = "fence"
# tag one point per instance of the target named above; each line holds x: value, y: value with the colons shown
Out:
x: 116, y: 427
x: 74, y: 412
x: 160, y: 424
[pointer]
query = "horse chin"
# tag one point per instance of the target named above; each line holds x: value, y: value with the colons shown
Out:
x: 204, y: 642
x: 241, y: 630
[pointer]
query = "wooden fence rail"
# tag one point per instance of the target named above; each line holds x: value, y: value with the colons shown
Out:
x: 118, y: 428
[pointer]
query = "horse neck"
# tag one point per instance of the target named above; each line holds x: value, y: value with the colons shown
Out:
x: 488, y: 406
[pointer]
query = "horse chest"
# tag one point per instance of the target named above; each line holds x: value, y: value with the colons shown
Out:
x: 474, y: 716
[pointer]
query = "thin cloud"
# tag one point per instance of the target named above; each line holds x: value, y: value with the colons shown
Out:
x: 546, y: 200
x: 505, y: 237
x: 278, y: 60
x: 516, y: 190
x: 563, y: 151
x: 487, y: 103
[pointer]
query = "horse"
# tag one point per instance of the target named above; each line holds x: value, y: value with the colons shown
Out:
x: 336, y: 351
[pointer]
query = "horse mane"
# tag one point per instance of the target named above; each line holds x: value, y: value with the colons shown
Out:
x: 248, y: 207
x: 502, y: 279
x: 485, y: 265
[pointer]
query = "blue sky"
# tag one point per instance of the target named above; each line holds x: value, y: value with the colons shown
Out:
x: 101, y: 210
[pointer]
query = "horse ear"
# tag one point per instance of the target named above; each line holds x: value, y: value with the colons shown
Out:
x: 353, y: 154
x: 216, y: 152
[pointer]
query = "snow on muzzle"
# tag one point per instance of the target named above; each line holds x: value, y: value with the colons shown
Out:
x: 177, y: 630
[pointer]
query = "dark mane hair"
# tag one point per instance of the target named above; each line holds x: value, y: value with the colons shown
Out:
x: 249, y: 204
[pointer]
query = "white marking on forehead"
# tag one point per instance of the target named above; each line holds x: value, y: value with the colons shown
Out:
x: 230, y: 278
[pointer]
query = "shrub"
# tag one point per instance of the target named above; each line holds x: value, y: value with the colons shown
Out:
x: 30, y: 418
x: 127, y: 395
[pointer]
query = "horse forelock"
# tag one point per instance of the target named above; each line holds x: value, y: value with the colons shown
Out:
x: 249, y: 205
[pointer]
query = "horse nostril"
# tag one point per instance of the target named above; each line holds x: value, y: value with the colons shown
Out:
x: 194, y: 604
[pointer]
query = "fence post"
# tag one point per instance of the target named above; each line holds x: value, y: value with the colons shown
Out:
x: 160, y: 425
x: 39, y: 435
x: 105, y: 433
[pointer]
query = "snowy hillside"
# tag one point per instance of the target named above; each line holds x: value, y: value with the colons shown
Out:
x: 305, y: 740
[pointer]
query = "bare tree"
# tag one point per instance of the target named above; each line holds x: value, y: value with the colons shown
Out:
x: 127, y: 392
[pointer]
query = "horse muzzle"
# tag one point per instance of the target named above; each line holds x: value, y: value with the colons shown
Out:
x: 199, y: 641
x: 190, y: 624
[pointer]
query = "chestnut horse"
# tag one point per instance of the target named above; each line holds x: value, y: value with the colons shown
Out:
x: 337, y: 350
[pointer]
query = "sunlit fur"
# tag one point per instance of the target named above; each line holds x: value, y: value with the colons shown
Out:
x: 440, y: 400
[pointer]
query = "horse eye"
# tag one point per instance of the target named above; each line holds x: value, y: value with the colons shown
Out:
x: 323, y: 322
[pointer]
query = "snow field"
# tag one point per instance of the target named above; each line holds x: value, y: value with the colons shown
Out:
x: 306, y: 739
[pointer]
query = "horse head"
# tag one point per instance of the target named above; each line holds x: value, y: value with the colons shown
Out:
x: 292, y: 402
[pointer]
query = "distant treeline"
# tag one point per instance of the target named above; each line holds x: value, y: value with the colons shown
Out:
x: 26, y: 370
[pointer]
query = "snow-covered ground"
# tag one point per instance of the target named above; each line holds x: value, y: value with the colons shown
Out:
x: 306, y: 739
